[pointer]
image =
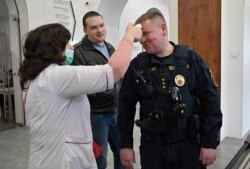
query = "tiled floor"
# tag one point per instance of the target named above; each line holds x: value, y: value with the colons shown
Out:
x: 14, y: 150
x: 6, y: 125
x: 226, y: 151
x: 14, y: 147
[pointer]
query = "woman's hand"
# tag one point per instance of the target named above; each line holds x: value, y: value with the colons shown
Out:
x: 133, y: 33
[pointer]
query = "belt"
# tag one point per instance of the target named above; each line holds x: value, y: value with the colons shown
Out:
x: 165, y: 138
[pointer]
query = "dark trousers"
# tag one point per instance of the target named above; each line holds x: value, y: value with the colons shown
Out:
x: 180, y: 155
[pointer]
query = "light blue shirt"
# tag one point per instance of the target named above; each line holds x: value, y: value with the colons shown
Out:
x: 103, y: 49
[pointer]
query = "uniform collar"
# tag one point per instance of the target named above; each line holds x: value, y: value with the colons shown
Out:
x: 167, y: 60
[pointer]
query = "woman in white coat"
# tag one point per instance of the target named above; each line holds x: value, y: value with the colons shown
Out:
x: 56, y: 105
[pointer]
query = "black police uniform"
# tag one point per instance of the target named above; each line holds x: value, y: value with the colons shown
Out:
x: 169, y: 128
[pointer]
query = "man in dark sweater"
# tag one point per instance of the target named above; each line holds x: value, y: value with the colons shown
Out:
x: 94, y: 50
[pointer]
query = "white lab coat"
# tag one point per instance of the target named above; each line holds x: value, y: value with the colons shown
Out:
x: 58, y: 113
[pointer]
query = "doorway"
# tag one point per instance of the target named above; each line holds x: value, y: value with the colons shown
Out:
x: 199, y: 26
x: 10, y: 56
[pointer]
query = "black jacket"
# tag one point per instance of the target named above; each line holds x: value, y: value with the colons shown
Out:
x: 159, y: 72
x: 86, y: 54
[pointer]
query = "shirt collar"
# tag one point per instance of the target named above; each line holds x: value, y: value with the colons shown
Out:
x: 167, y: 60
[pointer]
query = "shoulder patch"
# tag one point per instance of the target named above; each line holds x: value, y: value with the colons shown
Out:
x: 213, y: 79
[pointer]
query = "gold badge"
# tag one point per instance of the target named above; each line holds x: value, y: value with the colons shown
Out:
x: 153, y: 68
x: 179, y: 80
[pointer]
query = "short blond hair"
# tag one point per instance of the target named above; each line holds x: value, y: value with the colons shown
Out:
x: 152, y: 13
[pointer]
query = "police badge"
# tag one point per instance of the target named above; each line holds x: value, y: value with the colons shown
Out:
x: 179, y: 80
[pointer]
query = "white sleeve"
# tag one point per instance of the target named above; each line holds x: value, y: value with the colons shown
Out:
x: 78, y: 80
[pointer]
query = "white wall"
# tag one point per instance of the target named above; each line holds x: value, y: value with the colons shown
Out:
x: 246, y: 69
x: 133, y: 9
x: 173, y: 20
x: 112, y: 19
x: 235, y: 68
x: 44, y: 12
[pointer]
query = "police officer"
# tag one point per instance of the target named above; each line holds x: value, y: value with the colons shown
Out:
x: 180, y: 112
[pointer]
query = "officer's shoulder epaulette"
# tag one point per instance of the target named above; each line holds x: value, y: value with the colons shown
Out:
x: 142, y: 59
x: 181, y: 54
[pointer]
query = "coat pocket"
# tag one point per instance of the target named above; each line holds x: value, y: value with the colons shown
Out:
x: 79, y: 153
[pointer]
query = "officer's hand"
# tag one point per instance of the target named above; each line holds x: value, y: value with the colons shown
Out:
x: 127, y: 157
x: 207, y: 156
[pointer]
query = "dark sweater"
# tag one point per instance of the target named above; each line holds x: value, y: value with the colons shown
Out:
x: 86, y: 54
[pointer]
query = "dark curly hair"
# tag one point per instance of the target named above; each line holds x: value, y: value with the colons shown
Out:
x: 43, y: 46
